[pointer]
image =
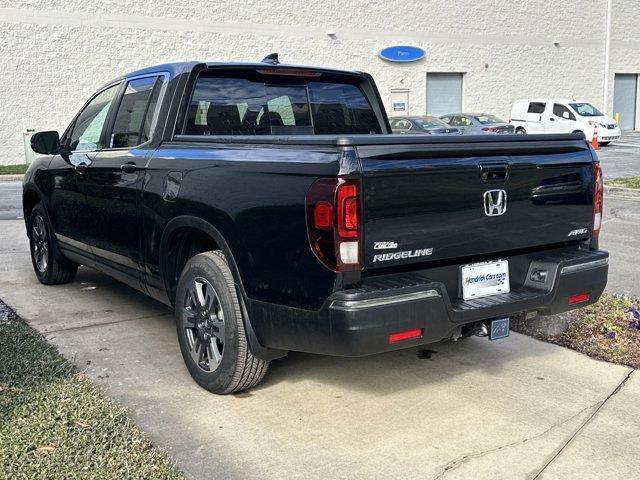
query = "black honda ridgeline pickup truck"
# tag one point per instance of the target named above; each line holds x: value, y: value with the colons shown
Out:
x: 271, y: 206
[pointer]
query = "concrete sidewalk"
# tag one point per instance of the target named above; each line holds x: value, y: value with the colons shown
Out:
x: 511, y: 409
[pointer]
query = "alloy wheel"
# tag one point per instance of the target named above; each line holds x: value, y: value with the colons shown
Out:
x: 203, y: 324
x: 40, y: 244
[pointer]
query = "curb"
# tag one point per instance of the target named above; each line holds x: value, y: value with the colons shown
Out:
x: 11, y: 178
x: 622, y: 192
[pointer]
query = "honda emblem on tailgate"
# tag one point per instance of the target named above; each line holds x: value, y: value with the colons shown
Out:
x: 495, y: 202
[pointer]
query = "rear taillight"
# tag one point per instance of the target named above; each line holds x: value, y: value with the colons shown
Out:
x: 597, y: 198
x: 334, y: 222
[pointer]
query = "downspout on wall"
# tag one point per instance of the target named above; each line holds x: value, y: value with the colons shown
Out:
x: 607, y: 61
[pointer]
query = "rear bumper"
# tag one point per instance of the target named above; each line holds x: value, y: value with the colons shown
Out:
x: 358, y: 321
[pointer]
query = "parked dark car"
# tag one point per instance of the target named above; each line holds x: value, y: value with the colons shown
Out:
x: 478, y: 123
x: 422, y: 125
x: 273, y: 209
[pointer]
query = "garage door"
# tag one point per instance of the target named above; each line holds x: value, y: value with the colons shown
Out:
x: 444, y: 93
x: 624, y: 100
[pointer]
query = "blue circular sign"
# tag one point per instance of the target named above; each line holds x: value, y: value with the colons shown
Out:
x: 402, y: 53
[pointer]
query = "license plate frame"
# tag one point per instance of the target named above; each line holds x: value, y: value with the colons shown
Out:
x: 484, y: 279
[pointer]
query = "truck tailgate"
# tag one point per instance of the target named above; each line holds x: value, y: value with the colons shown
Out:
x: 441, y: 200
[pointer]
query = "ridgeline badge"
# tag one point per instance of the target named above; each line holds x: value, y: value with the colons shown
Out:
x: 385, y: 257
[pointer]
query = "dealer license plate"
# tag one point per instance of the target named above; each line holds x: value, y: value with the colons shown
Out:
x: 484, y: 279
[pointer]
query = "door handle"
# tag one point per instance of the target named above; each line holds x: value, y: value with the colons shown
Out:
x: 552, y: 119
x: 129, y: 167
x: 81, y: 167
x: 493, y: 172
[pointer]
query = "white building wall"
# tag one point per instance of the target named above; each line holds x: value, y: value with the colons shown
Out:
x: 56, y: 53
x: 625, y: 46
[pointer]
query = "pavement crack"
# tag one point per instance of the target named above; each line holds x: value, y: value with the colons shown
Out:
x: 456, y: 462
x: 588, y: 420
x: 102, y: 324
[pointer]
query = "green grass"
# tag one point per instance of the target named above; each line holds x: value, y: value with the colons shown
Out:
x: 628, y: 182
x: 13, y: 169
x: 53, y: 422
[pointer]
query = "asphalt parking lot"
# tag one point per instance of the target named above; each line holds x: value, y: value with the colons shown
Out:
x: 515, y: 408
x: 10, y: 200
x: 622, y: 158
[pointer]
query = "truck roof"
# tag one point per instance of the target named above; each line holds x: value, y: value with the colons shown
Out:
x: 175, y: 68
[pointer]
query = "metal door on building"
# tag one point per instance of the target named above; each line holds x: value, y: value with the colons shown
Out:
x: 625, y: 90
x: 444, y: 93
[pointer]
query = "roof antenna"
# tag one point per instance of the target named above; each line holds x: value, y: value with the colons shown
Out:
x: 272, y: 58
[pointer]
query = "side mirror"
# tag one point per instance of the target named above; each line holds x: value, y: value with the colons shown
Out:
x: 566, y: 115
x: 47, y: 143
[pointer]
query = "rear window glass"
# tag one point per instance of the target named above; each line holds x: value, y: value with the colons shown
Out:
x: 535, y: 107
x: 488, y: 119
x: 431, y: 122
x: 254, y: 104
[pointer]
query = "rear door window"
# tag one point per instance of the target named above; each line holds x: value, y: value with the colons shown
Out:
x: 135, y: 113
x: 254, y: 104
x: 536, y: 107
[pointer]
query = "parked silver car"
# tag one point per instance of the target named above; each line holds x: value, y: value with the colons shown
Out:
x: 478, y: 123
x: 422, y: 125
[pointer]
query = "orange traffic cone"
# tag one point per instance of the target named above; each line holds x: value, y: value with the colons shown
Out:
x: 594, y: 140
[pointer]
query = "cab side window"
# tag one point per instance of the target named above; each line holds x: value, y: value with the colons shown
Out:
x: 86, y: 132
x: 563, y: 112
x: 536, y: 107
x: 135, y: 113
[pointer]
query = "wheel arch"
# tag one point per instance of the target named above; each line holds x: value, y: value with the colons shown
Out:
x: 195, y: 225
x: 200, y: 230
x: 31, y: 196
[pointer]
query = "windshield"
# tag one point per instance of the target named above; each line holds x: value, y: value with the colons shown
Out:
x: 430, y: 122
x: 488, y: 119
x: 585, y: 109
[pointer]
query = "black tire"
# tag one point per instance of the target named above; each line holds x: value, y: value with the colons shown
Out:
x: 210, y: 327
x: 49, y: 265
x: 604, y: 144
x: 580, y: 132
x: 520, y: 131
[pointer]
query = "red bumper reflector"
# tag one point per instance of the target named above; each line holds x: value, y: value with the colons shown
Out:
x: 406, y: 335
x: 579, y: 298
